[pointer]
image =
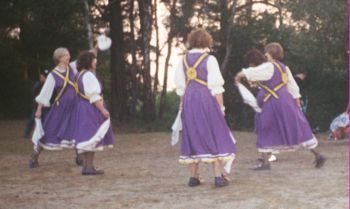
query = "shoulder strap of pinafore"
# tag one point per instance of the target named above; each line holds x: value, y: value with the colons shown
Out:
x: 273, y: 92
x: 81, y: 94
x: 191, y: 72
x: 66, y: 81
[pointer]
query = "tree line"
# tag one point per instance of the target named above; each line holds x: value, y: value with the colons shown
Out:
x: 312, y: 33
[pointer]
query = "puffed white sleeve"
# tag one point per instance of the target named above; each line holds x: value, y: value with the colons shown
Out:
x: 215, y: 79
x: 73, y: 65
x: 263, y: 72
x: 292, y: 85
x: 180, y: 78
x: 92, y: 87
x: 46, y: 92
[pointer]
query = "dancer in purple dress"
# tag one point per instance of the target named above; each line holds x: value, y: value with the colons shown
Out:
x: 281, y: 125
x: 57, y: 128
x: 92, y: 126
x: 206, y: 136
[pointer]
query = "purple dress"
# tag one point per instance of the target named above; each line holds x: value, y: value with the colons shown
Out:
x: 92, y: 132
x: 281, y: 125
x: 206, y: 136
x: 57, y: 125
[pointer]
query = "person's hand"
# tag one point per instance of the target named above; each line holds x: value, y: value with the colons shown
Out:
x: 298, y: 103
x: 94, y: 50
x: 223, y: 110
x: 38, y: 113
x: 180, y: 106
x: 96, y: 47
x: 105, y: 113
x: 238, y: 78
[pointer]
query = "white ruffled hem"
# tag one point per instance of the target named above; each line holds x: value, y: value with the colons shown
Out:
x: 226, y: 158
x: 91, y: 144
x: 180, y: 91
x: 94, y: 98
x: 87, y: 146
x: 309, y: 144
x: 43, y: 101
x: 215, y: 90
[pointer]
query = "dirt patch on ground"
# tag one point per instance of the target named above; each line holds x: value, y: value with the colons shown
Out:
x: 142, y: 172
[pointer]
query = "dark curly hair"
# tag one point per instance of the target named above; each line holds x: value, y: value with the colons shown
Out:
x: 254, y: 57
x: 84, y: 60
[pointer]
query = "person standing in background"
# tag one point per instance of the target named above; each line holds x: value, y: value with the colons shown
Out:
x: 36, y: 90
x: 301, y: 80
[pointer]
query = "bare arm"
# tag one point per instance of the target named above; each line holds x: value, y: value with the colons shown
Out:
x: 94, y: 50
x: 181, y: 102
x: 220, y: 100
x: 39, y: 111
x: 238, y: 77
x: 103, y: 110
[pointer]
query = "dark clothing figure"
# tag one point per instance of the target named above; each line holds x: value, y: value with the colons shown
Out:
x: 35, y: 92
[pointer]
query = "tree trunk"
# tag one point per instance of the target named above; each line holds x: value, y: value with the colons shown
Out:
x: 88, y: 24
x: 249, y: 11
x: 148, y: 109
x: 133, y: 70
x: 228, y: 43
x: 280, y: 14
x: 118, y: 88
x: 156, y: 81
x: 224, y: 16
x: 162, y: 103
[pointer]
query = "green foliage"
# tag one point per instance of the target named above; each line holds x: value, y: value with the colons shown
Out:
x: 313, y: 36
x: 44, y: 25
x: 164, y: 124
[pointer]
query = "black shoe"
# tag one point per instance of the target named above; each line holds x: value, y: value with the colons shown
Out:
x: 320, y: 161
x: 262, y: 167
x: 33, y: 162
x: 220, y: 182
x: 91, y: 172
x: 79, y: 161
x: 193, y: 182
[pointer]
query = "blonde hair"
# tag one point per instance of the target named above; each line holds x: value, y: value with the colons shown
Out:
x: 58, y: 53
x: 275, y: 50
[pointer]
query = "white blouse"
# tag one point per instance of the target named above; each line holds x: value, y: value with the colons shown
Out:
x: 214, y: 78
x: 92, y: 87
x: 264, y: 72
x: 46, y: 92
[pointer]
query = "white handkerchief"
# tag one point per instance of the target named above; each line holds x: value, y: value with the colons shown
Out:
x: 248, y: 97
x: 104, y: 42
x: 38, y: 133
x: 176, y: 128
